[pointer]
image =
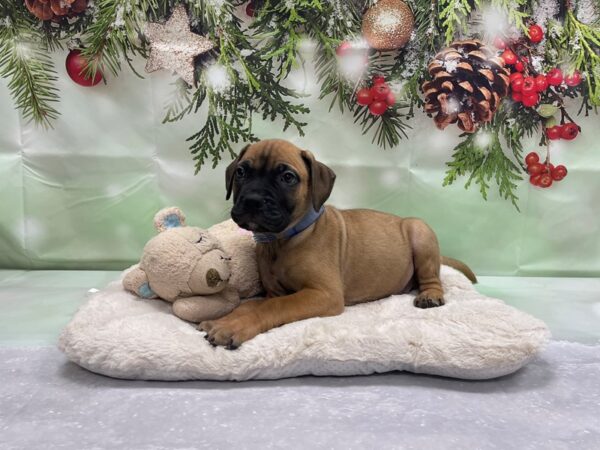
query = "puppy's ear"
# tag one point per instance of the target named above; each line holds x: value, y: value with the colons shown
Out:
x: 230, y: 172
x: 321, y: 179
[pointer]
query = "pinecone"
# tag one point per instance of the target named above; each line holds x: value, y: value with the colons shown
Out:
x: 467, y: 85
x: 55, y: 9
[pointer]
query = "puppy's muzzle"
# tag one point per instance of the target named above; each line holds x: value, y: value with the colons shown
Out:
x: 254, y: 210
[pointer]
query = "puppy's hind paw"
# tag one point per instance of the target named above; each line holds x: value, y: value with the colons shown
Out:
x: 427, y: 301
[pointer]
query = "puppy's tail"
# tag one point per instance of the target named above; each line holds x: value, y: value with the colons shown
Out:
x: 461, y: 267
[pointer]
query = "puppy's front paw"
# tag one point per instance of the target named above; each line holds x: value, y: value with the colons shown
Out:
x: 427, y: 300
x: 230, y: 332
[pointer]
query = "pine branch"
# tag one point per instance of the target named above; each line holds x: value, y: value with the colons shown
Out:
x: 481, y: 158
x: 254, y: 88
x: 115, y: 33
x: 181, y: 104
x: 25, y: 61
x: 453, y: 16
x: 583, y: 44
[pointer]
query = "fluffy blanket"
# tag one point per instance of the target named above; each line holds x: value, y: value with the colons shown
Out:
x: 473, y: 337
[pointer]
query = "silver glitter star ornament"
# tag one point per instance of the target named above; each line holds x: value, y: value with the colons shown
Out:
x: 173, y: 46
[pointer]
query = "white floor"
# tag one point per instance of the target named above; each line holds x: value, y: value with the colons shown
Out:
x: 47, y: 402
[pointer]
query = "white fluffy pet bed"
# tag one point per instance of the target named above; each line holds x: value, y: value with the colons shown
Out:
x: 474, y: 337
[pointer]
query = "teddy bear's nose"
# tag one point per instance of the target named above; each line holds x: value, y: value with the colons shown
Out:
x: 212, y: 277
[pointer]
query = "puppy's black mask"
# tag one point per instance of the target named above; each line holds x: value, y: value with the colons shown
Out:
x: 264, y: 198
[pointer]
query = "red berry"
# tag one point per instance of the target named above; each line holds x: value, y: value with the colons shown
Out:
x: 499, y: 43
x: 535, y: 179
x: 377, y: 108
x: 517, y: 97
x: 509, y: 57
x: 380, y: 92
x: 532, y: 158
x: 541, y: 84
x: 545, y: 180
x: 378, y: 79
x: 519, y: 66
x: 364, y: 97
x: 250, y: 9
x: 569, y: 131
x: 559, y: 173
x: 343, y: 48
x: 554, y: 132
x: 515, y: 75
x: 390, y: 99
x: 536, y: 168
x: 517, y: 84
x: 531, y: 100
x: 554, y: 77
x: 528, y: 86
x: 536, y: 34
x: 574, y: 79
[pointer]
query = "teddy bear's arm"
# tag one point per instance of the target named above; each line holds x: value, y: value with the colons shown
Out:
x: 136, y: 281
x: 206, y: 307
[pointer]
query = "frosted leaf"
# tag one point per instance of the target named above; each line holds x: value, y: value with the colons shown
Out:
x: 538, y: 63
x: 544, y: 10
x: 119, y: 21
x: 216, y: 4
x: 575, y: 43
x: 411, y: 57
x: 587, y: 12
x: 246, y: 52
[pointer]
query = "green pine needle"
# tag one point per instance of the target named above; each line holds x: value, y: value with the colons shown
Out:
x: 25, y: 61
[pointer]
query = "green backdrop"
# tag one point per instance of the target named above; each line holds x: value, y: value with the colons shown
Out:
x: 83, y: 194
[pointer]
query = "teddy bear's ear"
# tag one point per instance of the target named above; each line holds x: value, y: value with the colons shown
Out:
x: 166, y: 218
x: 136, y: 281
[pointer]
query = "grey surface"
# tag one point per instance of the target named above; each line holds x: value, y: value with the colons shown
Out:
x: 46, y: 402
x: 553, y: 403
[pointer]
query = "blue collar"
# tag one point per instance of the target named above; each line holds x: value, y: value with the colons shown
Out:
x: 310, y: 218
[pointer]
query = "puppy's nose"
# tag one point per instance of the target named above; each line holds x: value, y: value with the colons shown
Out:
x: 253, y: 201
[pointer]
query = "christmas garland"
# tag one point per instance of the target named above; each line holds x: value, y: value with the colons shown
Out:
x: 499, y: 69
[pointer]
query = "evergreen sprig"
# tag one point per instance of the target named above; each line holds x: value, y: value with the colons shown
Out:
x: 25, y: 61
x: 453, y: 16
x: 114, y: 35
x: 254, y: 88
x: 481, y: 156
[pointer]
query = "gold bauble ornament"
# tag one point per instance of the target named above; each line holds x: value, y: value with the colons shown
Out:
x: 388, y: 25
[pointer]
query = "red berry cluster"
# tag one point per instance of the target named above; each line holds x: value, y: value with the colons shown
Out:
x: 567, y: 131
x: 378, y: 97
x: 526, y: 88
x: 543, y: 174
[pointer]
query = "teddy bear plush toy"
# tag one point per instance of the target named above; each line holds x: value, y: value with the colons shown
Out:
x: 203, y: 273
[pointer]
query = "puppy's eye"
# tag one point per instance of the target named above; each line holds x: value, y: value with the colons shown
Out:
x: 289, y: 177
x: 199, y: 240
x: 240, y: 172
